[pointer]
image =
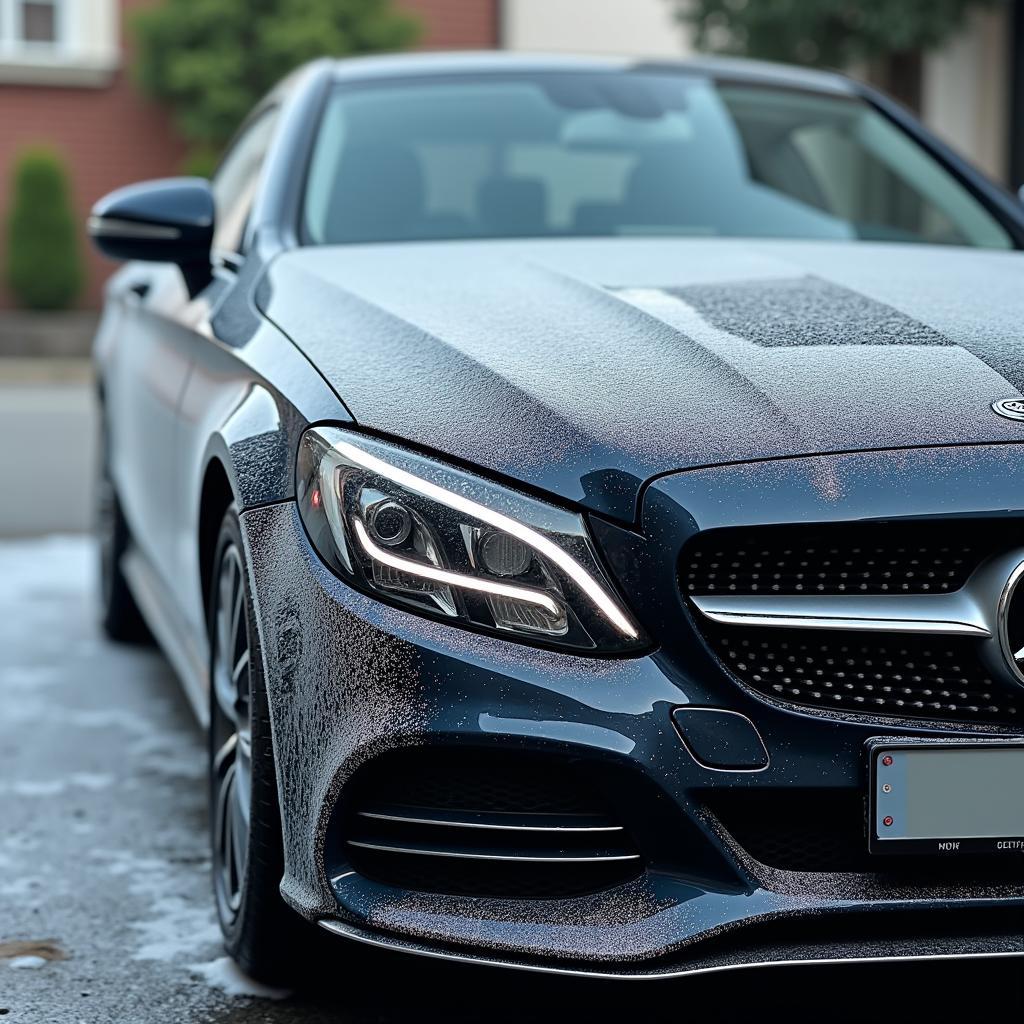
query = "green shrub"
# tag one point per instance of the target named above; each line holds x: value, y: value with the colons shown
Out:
x: 200, y: 162
x: 211, y: 60
x: 827, y: 33
x: 44, y: 264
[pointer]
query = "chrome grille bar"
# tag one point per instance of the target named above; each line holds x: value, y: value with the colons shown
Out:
x: 423, y: 851
x: 951, y: 614
x: 481, y: 822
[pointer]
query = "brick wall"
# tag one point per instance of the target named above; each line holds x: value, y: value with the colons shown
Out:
x: 112, y: 135
x: 457, y: 24
x: 109, y: 136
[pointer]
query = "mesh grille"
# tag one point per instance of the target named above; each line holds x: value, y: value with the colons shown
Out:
x: 824, y: 830
x: 927, y: 677
x: 908, y: 676
x: 837, y: 559
x: 796, y: 829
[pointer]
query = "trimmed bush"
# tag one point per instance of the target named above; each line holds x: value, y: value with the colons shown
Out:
x: 44, y: 264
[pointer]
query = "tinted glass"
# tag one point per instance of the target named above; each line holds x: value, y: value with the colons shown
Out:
x: 573, y: 154
x: 234, y: 184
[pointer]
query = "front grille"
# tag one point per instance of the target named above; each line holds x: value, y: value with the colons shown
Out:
x: 903, y: 675
x: 802, y: 576
x: 499, y: 826
x: 824, y: 830
x: 878, y: 558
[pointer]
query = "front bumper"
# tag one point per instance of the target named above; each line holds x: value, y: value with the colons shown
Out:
x: 350, y: 679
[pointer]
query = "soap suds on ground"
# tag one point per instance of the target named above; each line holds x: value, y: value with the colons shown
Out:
x: 226, y: 976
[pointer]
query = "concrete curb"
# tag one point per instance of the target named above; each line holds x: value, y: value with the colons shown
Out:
x: 47, y: 335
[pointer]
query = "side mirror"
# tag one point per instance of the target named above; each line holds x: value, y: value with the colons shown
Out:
x: 167, y: 221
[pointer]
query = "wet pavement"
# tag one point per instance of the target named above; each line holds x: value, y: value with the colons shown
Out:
x: 105, y: 907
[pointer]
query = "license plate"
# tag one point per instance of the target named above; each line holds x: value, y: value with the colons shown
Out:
x: 946, y: 798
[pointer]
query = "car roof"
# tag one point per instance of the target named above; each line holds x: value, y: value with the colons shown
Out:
x: 484, y: 62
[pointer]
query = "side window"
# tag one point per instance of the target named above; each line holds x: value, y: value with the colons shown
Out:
x: 860, y: 188
x: 234, y: 184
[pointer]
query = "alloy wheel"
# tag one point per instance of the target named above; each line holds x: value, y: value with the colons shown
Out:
x: 231, y: 734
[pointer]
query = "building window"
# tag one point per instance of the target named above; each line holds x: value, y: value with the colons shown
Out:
x: 39, y: 21
x: 59, y: 42
x: 30, y: 24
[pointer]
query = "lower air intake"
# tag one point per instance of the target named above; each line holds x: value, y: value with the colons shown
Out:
x: 825, y: 830
x: 473, y: 825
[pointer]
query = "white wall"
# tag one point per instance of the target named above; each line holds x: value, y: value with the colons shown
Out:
x: 93, y: 30
x: 643, y: 28
x: 965, y: 91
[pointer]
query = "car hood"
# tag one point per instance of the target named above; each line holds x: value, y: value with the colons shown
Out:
x: 585, y: 367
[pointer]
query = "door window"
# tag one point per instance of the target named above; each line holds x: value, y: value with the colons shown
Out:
x: 236, y: 180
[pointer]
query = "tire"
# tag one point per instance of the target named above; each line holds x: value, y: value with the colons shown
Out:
x: 264, y: 936
x: 119, y: 614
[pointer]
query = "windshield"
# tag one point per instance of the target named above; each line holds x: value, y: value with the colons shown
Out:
x: 613, y: 153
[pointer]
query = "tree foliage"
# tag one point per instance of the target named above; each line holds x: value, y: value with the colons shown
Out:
x: 212, y: 60
x: 828, y: 33
x: 44, y: 265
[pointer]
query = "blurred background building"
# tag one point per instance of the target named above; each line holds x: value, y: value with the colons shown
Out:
x: 76, y: 121
x: 66, y: 81
x: 965, y: 93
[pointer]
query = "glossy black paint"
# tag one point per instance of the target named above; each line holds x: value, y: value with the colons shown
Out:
x: 205, y: 395
x: 583, y: 367
x: 165, y: 221
x: 721, y: 740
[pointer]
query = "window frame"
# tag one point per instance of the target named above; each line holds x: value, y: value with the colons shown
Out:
x: 12, y: 41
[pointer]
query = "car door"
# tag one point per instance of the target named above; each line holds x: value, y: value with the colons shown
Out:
x: 157, y: 344
x: 144, y: 381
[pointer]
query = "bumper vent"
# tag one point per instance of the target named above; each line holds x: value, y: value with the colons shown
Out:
x: 824, y: 830
x: 797, y: 830
x: 482, y: 826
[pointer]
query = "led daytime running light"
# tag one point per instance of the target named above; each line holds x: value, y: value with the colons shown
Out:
x: 451, y: 579
x: 594, y: 591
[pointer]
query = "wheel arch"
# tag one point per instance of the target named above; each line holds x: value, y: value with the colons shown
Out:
x: 216, y: 496
x: 247, y: 460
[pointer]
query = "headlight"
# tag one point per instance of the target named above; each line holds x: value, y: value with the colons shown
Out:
x: 452, y: 545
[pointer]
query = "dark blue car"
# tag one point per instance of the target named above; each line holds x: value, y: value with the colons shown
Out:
x: 582, y: 500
